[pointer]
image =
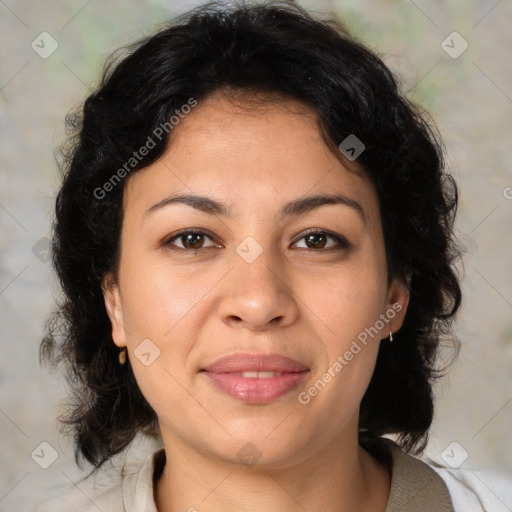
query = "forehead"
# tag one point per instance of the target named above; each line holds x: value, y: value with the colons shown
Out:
x: 248, y: 151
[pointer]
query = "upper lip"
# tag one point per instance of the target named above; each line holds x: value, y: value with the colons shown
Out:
x: 246, y: 362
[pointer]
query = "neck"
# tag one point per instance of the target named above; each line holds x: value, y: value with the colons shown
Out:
x: 342, y: 477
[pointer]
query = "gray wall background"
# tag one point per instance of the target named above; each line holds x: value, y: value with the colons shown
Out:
x: 470, y: 98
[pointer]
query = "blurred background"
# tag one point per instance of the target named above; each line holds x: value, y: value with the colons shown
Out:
x: 453, y: 57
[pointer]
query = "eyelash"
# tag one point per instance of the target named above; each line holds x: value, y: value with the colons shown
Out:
x: 343, y: 243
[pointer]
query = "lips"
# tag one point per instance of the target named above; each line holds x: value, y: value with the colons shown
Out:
x: 255, y: 363
x: 255, y: 378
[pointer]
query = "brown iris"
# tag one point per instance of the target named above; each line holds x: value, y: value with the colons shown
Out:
x: 192, y: 240
x: 318, y: 240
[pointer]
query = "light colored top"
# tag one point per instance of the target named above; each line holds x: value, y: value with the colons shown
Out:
x: 416, y: 486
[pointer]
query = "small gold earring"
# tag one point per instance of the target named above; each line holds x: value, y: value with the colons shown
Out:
x: 390, y: 337
x: 122, y: 356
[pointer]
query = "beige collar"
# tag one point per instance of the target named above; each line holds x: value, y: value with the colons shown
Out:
x: 415, y: 486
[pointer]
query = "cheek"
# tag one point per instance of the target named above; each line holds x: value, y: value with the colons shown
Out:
x: 350, y: 299
x: 167, y: 307
x: 345, y: 371
x: 163, y: 307
x: 356, y: 305
x: 157, y: 297
x: 349, y: 312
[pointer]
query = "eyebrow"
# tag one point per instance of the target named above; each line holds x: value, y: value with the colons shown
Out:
x: 293, y: 208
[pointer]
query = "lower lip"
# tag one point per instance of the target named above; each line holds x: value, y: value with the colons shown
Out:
x: 256, y: 391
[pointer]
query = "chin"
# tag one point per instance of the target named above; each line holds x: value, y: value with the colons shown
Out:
x: 268, y: 446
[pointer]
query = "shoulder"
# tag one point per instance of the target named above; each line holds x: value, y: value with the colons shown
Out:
x: 111, y: 500
x: 85, y: 500
x: 477, y: 490
x: 427, y: 482
x: 133, y: 492
x: 125, y: 484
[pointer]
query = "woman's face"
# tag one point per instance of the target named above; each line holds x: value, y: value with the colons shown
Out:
x: 212, y: 318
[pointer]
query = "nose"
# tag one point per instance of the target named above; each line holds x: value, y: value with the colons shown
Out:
x: 258, y: 295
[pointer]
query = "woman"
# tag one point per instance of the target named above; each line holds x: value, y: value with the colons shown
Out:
x: 254, y: 240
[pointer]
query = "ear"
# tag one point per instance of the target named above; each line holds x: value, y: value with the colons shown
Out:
x: 397, y: 302
x: 114, y: 309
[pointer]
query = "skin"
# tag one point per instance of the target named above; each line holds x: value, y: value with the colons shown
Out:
x: 296, y: 298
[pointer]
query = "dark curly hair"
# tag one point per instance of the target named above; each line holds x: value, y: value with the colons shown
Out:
x: 278, y: 49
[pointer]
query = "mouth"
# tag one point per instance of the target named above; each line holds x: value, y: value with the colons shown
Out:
x: 255, y: 378
x: 258, y: 375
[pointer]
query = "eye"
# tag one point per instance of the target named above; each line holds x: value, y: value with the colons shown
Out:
x: 318, y: 241
x: 190, y: 240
